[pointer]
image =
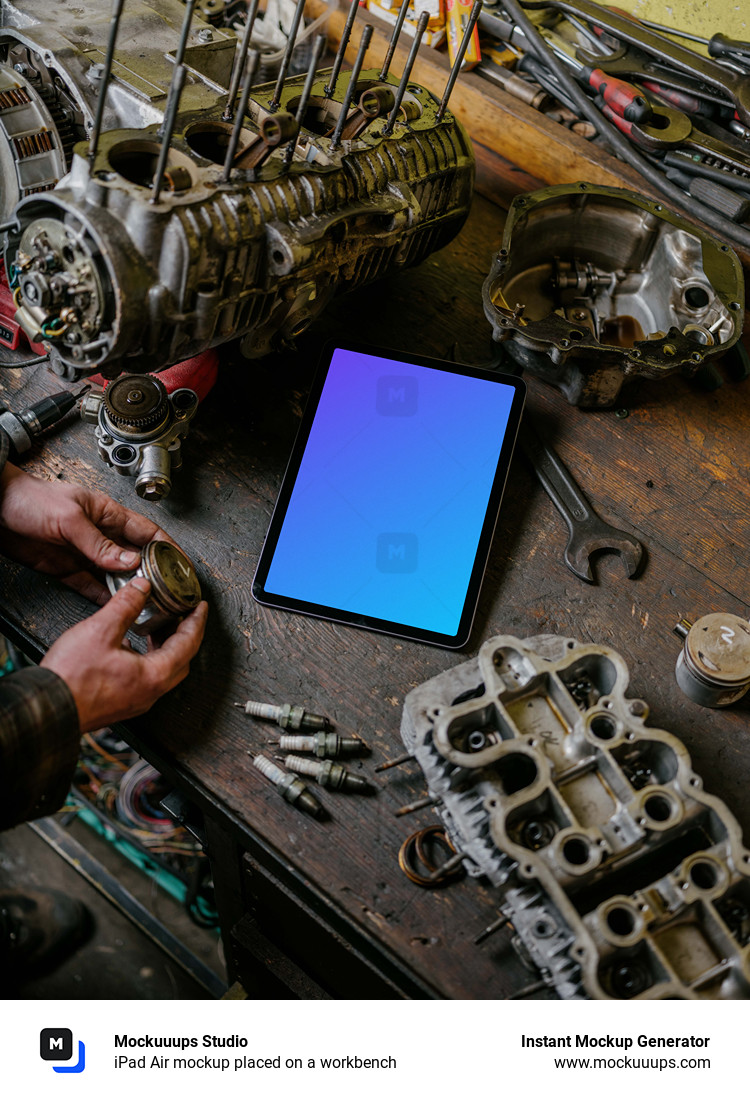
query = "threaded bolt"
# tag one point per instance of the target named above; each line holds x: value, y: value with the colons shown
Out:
x: 287, y: 716
x: 289, y: 787
x: 325, y: 745
x: 328, y: 774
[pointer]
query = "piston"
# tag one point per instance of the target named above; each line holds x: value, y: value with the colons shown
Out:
x: 175, y: 589
x: 713, y: 668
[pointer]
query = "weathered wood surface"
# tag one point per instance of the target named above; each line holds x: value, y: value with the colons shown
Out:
x: 675, y: 471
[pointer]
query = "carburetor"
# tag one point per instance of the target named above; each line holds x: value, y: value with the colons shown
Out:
x: 140, y: 429
x: 621, y: 876
x: 190, y: 219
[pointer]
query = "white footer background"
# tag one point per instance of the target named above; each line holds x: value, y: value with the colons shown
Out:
x: 447, y: 1047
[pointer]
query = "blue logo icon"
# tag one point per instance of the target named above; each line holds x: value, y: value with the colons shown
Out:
x: 396, y: 395
x: 397, y: 552
x: 56, y: 1045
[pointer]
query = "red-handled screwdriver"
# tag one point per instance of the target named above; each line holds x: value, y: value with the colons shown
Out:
x: 622, y: 98
x: 690, y: 104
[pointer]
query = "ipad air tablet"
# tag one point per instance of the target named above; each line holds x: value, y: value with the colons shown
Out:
x: 389, y: 503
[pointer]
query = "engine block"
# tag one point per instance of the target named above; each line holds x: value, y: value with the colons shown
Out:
x: 622, y: 877
x: 115, y: 279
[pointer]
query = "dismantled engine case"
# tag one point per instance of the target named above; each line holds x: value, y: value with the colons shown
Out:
x: 620, y: 875
x: 595, y: 285
x: 114, y: 280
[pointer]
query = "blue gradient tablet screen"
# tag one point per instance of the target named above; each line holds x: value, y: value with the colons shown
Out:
x: 392, y: 492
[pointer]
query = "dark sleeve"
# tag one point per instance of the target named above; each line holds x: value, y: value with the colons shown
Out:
x: 39, y: 736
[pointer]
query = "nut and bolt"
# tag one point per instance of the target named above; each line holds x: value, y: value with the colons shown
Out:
x: 325, y: 745
x: 286, y: 716
x: 289, y: 786
x: 328, y: 774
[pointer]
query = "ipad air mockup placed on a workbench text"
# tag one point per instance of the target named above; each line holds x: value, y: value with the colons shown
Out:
x: 388, y: 506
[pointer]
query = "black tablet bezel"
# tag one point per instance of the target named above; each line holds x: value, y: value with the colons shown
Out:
x: 385, y: 626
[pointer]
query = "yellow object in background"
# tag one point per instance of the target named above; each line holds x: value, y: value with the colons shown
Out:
x: 389, y: 9
x: 731, y: 17
x: 495, y: 51
x: 457, y: 18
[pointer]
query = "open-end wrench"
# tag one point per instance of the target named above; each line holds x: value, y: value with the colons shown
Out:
x: 586, y: 530
x: 705, y: 69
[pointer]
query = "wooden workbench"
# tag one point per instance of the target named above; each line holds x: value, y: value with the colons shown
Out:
x: 328, y: 897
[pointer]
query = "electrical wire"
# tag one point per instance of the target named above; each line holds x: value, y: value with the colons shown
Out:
x: 610, y: 134
x: 27, y: 362
x: 123, y: 792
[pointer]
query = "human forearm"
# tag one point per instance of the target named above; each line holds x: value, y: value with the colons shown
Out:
x: 39, y: 734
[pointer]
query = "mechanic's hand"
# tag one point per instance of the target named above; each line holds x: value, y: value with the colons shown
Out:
x: 66, y: 529
x: 111, y: 682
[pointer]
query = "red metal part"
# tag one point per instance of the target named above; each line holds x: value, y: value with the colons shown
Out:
x: 11, y: 334
x: 198, y: 374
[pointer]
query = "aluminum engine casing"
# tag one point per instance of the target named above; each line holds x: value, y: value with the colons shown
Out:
x: 150, y: 284
x: 596, y: 285
x: 620, y: 875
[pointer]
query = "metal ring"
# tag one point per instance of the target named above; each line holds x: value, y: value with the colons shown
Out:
x: 414, y: 846
x: 437, y: 832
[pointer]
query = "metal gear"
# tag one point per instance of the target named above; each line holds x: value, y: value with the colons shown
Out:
x: 136, y: 402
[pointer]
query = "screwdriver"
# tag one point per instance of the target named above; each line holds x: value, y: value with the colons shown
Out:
x: 622, y: 98
x: 23, y: 427
x: 718, y: 45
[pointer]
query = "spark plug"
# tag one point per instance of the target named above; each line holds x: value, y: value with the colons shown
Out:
x: 328, y: 745
x: 289, y: 787
x: 286, y: 716
x: 328, y: 774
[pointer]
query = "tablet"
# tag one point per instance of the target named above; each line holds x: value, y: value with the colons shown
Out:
x: 388, y: 505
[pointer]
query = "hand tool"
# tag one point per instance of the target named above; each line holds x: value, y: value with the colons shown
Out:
x: 588, y: 533
x: 610, y: 135
x: 629, y: 60
x: 622, y: 98
x: 672, y: 129
x: 718, y: 45
x: 514, y: 85
x: 736, y: 86
x: 731, y: 205
x: 683, y: 101
x: 694, y: 165
x: 22, y: 428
